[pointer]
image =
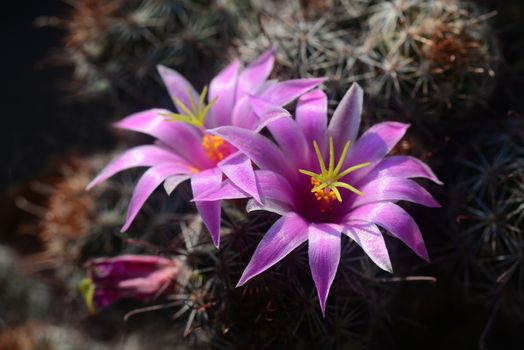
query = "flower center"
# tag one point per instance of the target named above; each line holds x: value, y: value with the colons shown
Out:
x: 193, y: 115
x: 326, y: 183
x: 324, y: 196
x: 216, y: 147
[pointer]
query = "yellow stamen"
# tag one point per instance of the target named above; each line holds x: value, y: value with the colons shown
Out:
x: 215, y: 147
x: 325, y: 184
x: 325, y: 198
x: 193, y: 115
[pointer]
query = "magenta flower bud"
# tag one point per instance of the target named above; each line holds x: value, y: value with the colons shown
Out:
x: 139, y: 277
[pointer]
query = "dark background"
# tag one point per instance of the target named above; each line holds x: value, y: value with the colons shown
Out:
x: 39, y: 121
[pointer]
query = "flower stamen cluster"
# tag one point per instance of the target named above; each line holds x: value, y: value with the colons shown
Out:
x: 329, y: 178
x: 215, y: 147
x: 194, y: 115
x: 324, y: 196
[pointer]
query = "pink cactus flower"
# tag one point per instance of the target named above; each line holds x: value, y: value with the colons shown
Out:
x: 325, y: 182
x: 185, y: 150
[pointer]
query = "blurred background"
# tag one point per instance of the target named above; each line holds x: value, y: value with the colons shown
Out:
x: 453, y: 69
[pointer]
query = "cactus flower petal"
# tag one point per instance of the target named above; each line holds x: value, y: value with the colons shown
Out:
x: 177, y: 86
x: 324, y: 256
x: 151, y: 179
x: 239, y: 170
x: 370, y: 239
x: 223, y: 87
x: 147, y: 155
x: 346, y: 118
x: 283, y: 237
x: 210, y: 211
x: 255, y: 74
x: 311, y: 116
x: 395, y: 220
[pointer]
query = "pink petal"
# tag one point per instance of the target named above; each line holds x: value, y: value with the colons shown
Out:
x: 151, y: 179
x: 394, y: 189
x: 258, y: 148
x: 184, y: 139
x: 373, y: 146
x: 255, y: 74
x: 324, y: 256
x: 346, y: 118
x: 147, y: 155
x: 224, y: 87
x: 269, y: 205
x: 402, y: 167
x: 311, y: 116
x: 283, y: 237
x: 239, y: 170
x: 243, y: 115
x: 291, y: 141
x: 285, y: 92
x: 172, y: 182
x: 266, y: 112
x: 395, y: 220
x: 209, y: 211
x: 177, y: 85
x: 369, y: 237
x: 272, y: 186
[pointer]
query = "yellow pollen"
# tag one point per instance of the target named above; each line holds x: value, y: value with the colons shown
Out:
x: 325, y: 196
x: 215, y: 146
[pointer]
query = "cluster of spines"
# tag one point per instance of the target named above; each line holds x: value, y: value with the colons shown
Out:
x: 434, y: 57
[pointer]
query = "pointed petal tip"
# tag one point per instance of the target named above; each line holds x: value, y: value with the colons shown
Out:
x: 241, y: 282
x: 126, y: 226
x: 272, y: 50
x: 246, y: 276
x: 422, y: 252
x: 161, y: 69
x: 322, y: 302
x: 117, y: 125
x: 357, y: 86
x: 269, y: 52
x: 91, y: 185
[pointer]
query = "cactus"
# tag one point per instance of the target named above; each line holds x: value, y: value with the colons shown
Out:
x: 418, y: 57
x: 116, y: 46
x: 438, y: 52
x: 486, y: 240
